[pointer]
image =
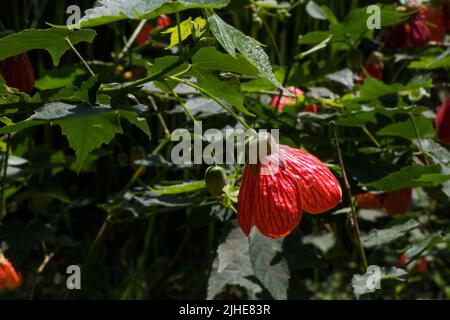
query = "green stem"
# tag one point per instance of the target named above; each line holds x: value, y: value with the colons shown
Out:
x: 80, y: 57
x: 4, y: 173
x: 371, y: 136
x: 274, y: 41
x: 220, y: 103
x: 350, y: 199
x: 419, y: 141
x: 181, y: 102
x: 134, y: 85
x: 180, y: 40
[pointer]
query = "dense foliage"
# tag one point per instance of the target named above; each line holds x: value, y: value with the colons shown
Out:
x: 87, y: 177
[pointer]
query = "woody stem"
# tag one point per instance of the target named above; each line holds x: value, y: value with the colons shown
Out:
x: 350, y: 198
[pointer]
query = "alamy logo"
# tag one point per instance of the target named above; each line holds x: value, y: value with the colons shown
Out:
x: 229, y: 146
x: 374, y: 21
x: 74, y: 279
x: 73, y: 21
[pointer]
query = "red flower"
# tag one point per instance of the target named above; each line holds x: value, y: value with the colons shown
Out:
x: 274, y: 193
x: 163, y: 21
x: 144, y: 34
x: 368, y: 200
x: 311, y: 108
x: 18, y: 73
x: 394, y: 202
x: 397, y: 202
x: 287, y: 100
x: 443, y: 122
x: 403, y: 261
x: 9, y: 278
x: 412, y: 34
x: 435, y: 21
x: 422, y: 265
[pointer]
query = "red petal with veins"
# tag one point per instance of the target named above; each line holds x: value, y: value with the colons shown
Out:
x: 319, y: 187
x: 271, y: 202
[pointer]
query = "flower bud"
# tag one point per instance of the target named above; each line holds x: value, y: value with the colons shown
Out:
x: 18, y: 73
x: 215, y: 179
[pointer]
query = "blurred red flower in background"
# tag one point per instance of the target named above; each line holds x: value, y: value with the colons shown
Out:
x: 435, y: 22
x: 287, y: 100
x: 18, y: 73
x: 162, y: 22
x: 9, y: 278
x: 394, y: 202
x: 443, y: 122
x: 293, y: 181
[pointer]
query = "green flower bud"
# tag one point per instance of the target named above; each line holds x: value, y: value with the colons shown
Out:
x: 215, y: 179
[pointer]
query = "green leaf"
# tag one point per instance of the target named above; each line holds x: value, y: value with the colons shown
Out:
x: 210, y: 60
x: 232, y: 39
x: 377, y: 238
x: 180, y: 188
x: 374, y: 89
x: 109, y: 11
x: 53, y: 40
x: 136, y: 120
x: 59, y: 78
x: 228, y: 90
x: 315, y: 11
x: 268, y: 265
x: 314, y: 37
x: 89, y: 132
x: 186, y: 28
x: 415, y: 251
x: 411, y: 177
x: 405, y: 129
x: 232, y: 266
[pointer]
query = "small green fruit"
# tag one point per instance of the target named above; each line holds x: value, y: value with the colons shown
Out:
x: 215, y: 179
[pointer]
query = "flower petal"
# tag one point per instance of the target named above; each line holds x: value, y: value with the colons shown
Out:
x: 319, y: 187
x: 397, y: 202
x: 246, y: 198
x: 278, y: 203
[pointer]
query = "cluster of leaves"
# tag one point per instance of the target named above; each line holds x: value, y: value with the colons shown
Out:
x: 115, y: 171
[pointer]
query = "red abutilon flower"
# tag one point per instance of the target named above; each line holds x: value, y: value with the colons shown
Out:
x: 374, y: 66
x: 163, y: 21
x: 394, y: 202
x: 443, y: 122
x: 18, y: 73
x: 274, y: 192
x: 422, y: 265
x: 410, y: 34
x: 397, y: 202
x: 144, y: 34
x: 9, y: 278
x: 368, y: 200
x: 287, y: 100
x: 435, y: 22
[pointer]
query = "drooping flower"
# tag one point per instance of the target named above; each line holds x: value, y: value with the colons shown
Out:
x: 374, y: 66
x: 297, y: 98
x: 18, y: 73
x: 435, y: 22
x: 9, y: 278
x: 368, y: 200
x: 394, y: 202
x: 397, y: 202
x: 287, y: 100
x: 443, y: 122
x: 274, y: 193
x: 163, y: 21
x: 144, y: 34
x: 410, y: 34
